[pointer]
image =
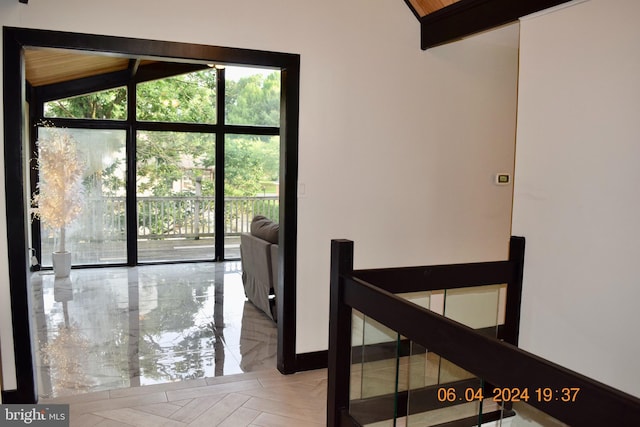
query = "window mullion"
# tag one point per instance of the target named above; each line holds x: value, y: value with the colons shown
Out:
x: 219, y: 165
x: 131, y: 190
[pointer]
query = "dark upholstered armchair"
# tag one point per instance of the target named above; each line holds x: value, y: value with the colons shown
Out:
x: 259, y: 254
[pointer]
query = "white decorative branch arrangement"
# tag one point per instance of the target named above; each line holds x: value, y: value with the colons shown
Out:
x: 58, y: 198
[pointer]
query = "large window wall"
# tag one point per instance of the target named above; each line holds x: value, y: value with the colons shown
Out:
x: 154, y: 191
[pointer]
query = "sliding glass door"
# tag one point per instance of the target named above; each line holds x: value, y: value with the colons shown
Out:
x: 175, y: 196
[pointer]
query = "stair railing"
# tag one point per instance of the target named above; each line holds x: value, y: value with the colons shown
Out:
x: 497, y: 362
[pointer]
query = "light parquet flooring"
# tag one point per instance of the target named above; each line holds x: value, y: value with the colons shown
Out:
x: 264, y: 398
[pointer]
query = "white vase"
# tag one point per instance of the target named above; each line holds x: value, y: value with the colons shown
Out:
x: 61, y: 263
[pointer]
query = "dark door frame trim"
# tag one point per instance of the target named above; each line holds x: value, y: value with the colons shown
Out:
x: 14, y: 96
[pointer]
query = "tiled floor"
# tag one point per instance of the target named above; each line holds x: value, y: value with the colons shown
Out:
x: 115, y: 328
x: 166, y: 345
x: 264, y: 398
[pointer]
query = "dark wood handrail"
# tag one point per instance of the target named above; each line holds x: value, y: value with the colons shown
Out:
x: 437, y: 277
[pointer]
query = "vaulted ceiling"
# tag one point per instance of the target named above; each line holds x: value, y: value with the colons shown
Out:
x: 444, y: 21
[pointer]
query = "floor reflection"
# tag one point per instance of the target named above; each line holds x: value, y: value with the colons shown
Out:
x: 111, y: 328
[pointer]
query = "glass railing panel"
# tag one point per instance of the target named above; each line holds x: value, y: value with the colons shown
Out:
x: 375, y: 372
x: 357, y: 343
x: 421, y: 372
x: 416, y: 375
x: 448, y: 372
x: 422, y: 298
x: 439, y: 390
x: 388, y: 370
x: 480, y: 308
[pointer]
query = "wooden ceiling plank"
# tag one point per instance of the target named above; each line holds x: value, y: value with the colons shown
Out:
x: 425, y: 7
x: 55, y: 67
x: 417, y: 6
x: 49, y: 66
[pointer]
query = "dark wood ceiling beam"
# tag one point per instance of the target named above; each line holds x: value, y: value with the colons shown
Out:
x: 139, y: 73
x: 83, y: 86
x: 468, y: 17
x: 160, y: 70
x: 134, y: 64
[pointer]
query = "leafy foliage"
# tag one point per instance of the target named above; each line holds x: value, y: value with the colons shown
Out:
x: 253, y: 100
x: 109, y: 104
x: 188, y: 98
x: 165, y: 158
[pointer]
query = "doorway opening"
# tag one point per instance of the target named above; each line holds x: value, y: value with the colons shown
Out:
x: 216, y: 139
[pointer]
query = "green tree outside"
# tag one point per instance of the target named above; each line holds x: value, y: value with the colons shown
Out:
x: 165, y: 157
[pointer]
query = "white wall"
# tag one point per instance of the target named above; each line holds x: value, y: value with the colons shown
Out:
x: 577, y: 188
x: 398, y: 147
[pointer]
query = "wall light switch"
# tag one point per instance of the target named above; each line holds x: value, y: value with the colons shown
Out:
x: 503, y: 179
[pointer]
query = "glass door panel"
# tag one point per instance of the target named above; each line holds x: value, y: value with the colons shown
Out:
x: 251, y: 185
x: 175, y: 196
x: 98, y: 234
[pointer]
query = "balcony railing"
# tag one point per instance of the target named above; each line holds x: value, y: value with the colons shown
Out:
x: 172, y: 217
